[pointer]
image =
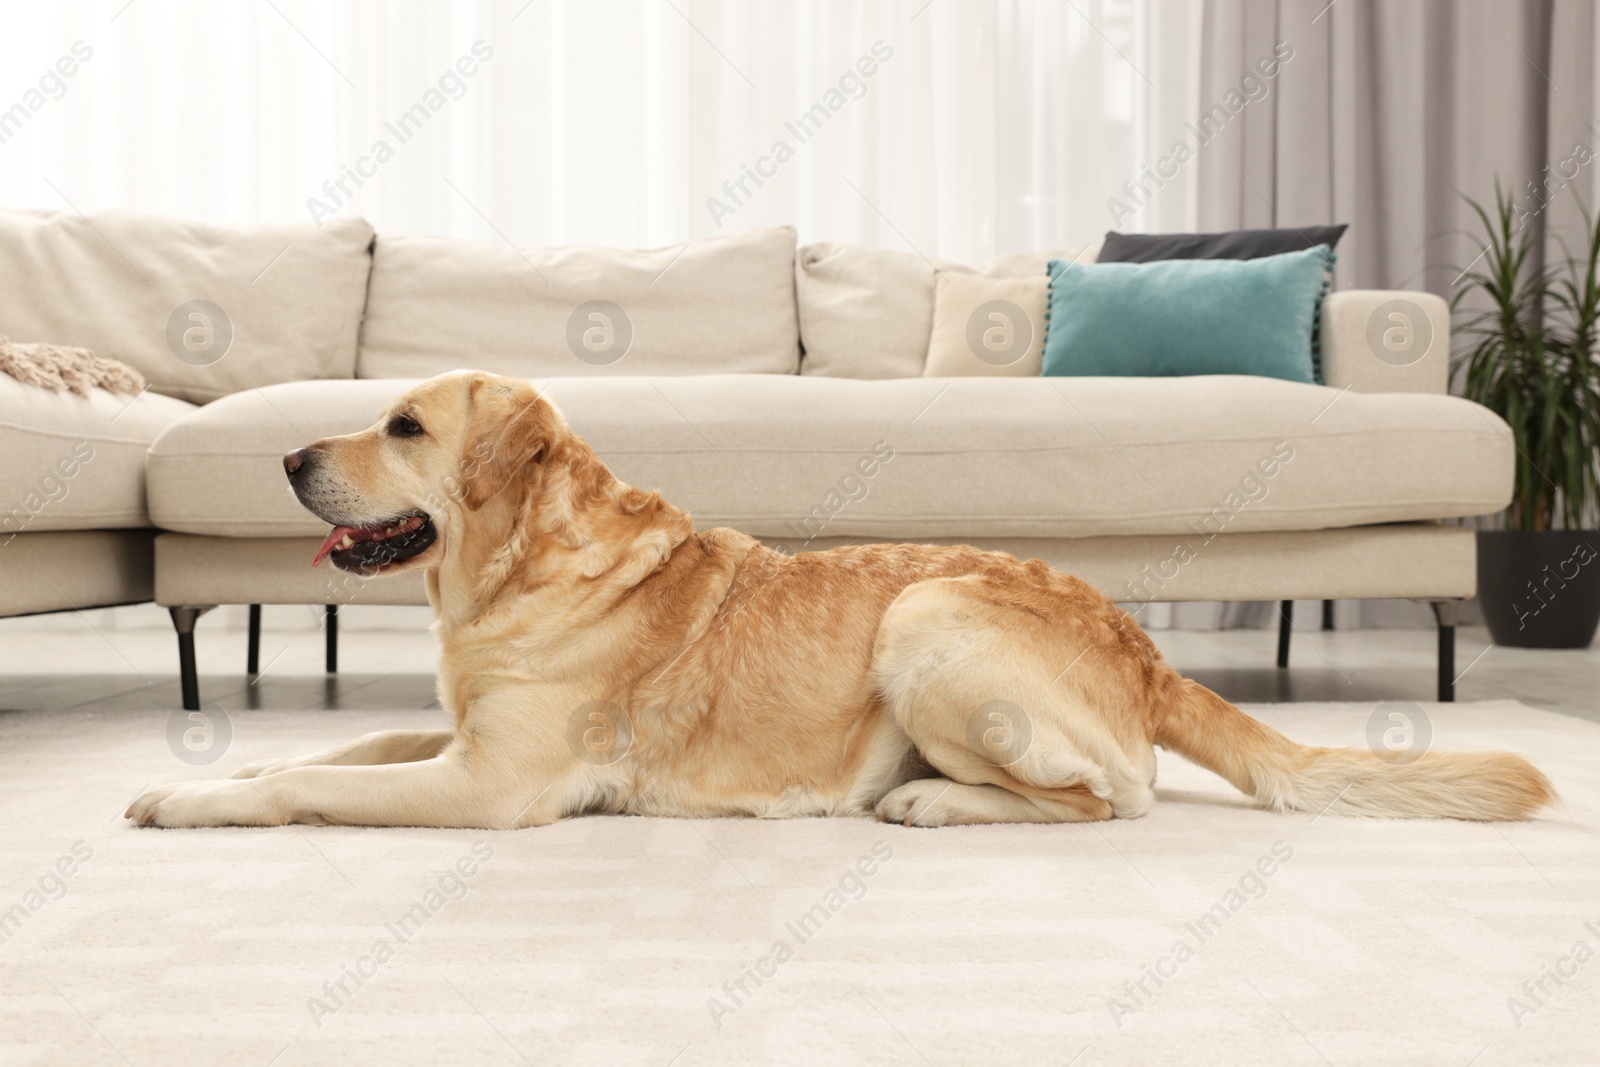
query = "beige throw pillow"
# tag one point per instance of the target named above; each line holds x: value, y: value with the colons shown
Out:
x: 986, y: 327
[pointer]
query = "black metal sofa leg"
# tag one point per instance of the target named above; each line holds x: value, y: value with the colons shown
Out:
x: 252, y: 655
x: 183, y: 620
x: 1447, y: 612
x: 332, y: 636
x: 1285, y: 629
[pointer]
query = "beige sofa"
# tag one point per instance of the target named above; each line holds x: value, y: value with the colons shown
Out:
x: 760, y: 386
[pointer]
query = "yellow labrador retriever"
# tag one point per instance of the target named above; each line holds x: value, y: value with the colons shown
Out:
x: 599, y: 654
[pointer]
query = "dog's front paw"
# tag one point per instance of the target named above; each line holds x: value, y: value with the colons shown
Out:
x: 915, y: 803
x: 224, y: 803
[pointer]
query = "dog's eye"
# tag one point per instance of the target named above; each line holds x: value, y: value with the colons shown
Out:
x: 404, y: 426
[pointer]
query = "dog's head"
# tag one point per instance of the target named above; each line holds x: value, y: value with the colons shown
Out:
x: 397, y: 492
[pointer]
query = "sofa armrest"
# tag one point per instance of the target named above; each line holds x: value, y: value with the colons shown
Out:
x: 1384, y: 341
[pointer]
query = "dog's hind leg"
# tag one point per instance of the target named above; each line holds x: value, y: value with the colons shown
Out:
x: 980, y: 673
x: 941, y: 802
x: 385, y: 746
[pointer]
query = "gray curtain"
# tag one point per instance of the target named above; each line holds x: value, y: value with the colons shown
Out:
x: 1386, y: 112
x: 1389, y: 111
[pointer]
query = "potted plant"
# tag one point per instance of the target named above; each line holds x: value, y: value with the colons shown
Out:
x: 1532, y: 360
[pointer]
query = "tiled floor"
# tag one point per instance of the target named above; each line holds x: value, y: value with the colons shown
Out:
x: 128, y: 660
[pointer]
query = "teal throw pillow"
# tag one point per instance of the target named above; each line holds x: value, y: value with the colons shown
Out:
x: 1187, y: 316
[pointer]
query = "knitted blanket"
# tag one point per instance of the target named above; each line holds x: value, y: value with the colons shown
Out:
x: 62, y: 368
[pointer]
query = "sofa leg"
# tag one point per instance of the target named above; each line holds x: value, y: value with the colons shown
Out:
x: 1447, y: 612
x: 332, y: 637
x: 252, y: 654
x: 1285, y: 629
x: 183, y: 620
x: 1327, y: 614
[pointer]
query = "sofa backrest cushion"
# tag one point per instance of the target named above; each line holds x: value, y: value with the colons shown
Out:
x: 868, y: 312
x: 200, y: 310
x: 717, y: 305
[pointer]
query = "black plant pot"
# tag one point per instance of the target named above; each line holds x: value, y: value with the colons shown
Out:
x: 1540, y: 590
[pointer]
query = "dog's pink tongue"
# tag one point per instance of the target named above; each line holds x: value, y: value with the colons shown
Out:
x: 332, y: 539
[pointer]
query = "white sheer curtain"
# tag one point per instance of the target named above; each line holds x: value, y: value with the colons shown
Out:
x: 984, y: 126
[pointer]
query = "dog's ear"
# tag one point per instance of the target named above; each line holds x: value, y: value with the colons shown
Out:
x: 509, y: 426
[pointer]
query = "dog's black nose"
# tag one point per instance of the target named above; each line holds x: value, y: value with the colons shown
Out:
x: 294, y: 462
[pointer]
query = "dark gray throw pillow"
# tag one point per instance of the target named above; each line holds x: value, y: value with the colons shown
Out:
x: 1235, y: 244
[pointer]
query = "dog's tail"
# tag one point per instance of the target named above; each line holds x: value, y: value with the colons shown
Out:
x: 1486, y: 786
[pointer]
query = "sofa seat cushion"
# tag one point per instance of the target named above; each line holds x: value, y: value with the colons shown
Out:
x: 792, y: 458
x: 76, y: 462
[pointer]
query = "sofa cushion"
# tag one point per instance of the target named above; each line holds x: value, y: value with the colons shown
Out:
x: 990, y: 327
x: 868, y: 312
x: 200, y: 310
x: 1187, y: 316
x: 795, y: 458
x: 1229, y: 244
x: 76, y: 462
x: 722, y: 304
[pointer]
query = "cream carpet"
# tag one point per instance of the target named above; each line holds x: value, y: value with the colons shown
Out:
x: 654, y: 942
